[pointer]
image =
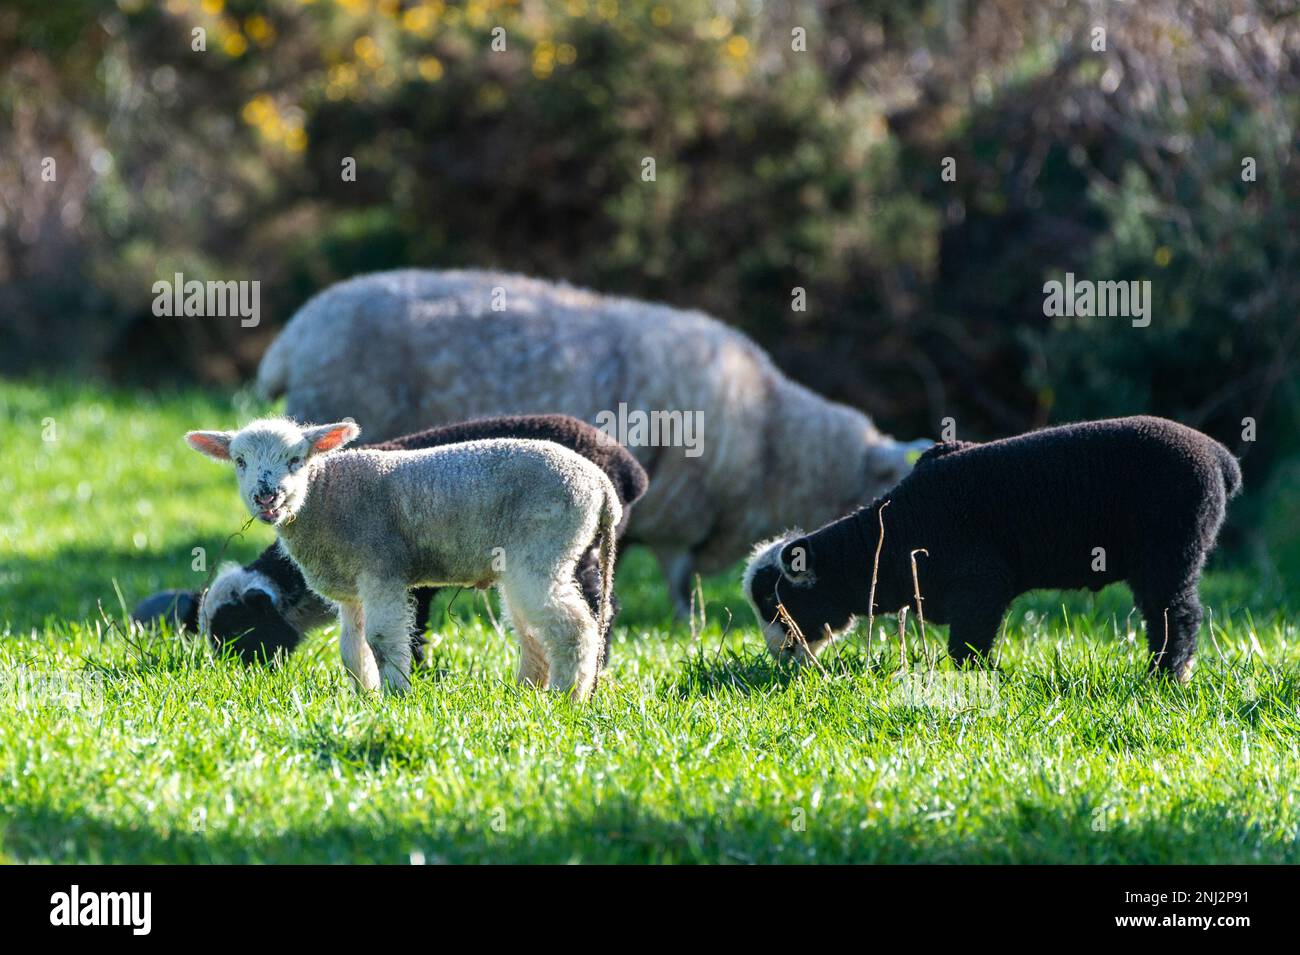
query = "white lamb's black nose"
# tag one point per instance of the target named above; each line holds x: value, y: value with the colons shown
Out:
x: 264, y: 499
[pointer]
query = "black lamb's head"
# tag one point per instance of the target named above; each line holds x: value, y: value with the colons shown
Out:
x: 783, y: 572
x: 252, y: 627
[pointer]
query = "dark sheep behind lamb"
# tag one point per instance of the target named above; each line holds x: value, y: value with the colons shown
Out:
x: 1139, y: 500
x: 265, y: 606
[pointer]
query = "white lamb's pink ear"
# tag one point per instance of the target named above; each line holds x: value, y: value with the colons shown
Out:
x: 328, y: 437
x: 215, y: 444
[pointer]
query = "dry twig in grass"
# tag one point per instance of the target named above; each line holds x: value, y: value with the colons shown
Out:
x: 875, y: 572
x: 1155, y: 661
x: 1214, y: 640
x: 112, y: 626
x: 722, y: 640
x: 203, y: 591
x: 916, y: 594
x: 800, y: 640
x: 902, y: 635
x: 696, y: 622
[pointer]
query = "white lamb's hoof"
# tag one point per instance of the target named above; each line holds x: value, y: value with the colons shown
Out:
x: 367, y: 681
x: 580, y: 689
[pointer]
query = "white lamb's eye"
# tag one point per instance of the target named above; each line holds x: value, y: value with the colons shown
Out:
x: 239, y: 463
x: 294, y: 462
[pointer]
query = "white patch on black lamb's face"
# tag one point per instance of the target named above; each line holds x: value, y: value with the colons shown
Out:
x: 232, y: 586
x: 766, y: 584
x: 759, y: 585
x: 242, y: 611
x: 270, y: 458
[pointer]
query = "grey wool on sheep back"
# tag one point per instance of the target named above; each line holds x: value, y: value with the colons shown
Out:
x: 403, y: 350
x: 1139, y: 500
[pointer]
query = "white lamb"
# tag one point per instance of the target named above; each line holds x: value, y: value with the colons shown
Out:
x: 366, y: 526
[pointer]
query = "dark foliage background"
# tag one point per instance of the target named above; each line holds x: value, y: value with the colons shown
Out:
x: 776, y: 168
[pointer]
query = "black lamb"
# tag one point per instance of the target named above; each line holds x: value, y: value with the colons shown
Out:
x: 266, y: 606
x: 1139, y: 500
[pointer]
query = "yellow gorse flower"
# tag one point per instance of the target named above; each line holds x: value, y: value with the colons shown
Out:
x: 259, y: 29
x: 431, y: 68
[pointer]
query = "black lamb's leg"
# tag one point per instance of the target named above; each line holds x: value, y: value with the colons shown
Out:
x: 976, y: 612
x: 1172, y: 624
x: 1164, y: 589
x: 970, y: 639
x: 423, y: 600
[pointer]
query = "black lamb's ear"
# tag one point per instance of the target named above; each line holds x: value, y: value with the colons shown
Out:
x: 258, y: 600
x: 796, y: 559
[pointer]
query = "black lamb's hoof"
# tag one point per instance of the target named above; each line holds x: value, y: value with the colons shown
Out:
x: 179, y: 607
x: 1177, y: 671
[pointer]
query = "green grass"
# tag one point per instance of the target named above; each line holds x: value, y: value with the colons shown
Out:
x: 695, y: 749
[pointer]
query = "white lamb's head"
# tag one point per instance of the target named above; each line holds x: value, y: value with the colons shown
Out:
x: 270, y: 457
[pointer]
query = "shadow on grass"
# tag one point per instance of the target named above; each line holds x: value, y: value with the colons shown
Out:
x: 379, y: 748
x: 622, y: 833
x: 72, y: 582
x: 708, y: 672
x: 75, y: 581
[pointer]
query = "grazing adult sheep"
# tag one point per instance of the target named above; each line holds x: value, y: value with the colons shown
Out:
x: 401, y: 350
x: 266, y: 606
x: 1137, y: 499
x: 366, y: 526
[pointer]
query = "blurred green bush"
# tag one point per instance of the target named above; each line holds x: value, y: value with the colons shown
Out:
x: 796, y: 144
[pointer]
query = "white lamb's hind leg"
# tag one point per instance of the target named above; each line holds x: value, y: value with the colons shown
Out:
x: 357, y: 658
x: 534, y: 669
x: 566, y: 628
x: 388, y: 627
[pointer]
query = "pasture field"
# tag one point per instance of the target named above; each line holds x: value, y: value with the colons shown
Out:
x: 130, y: 747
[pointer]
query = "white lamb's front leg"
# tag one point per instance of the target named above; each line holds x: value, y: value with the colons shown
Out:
x: 357, y: 658
x: 388, y: 631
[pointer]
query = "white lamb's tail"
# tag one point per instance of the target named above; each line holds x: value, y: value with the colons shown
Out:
x: 273, y: 371
x: 611, y: 512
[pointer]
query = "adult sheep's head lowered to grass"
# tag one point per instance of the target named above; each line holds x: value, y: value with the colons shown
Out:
x: 273, y: 458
